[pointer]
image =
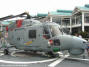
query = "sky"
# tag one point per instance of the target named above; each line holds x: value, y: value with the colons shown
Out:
x: 8, y: 7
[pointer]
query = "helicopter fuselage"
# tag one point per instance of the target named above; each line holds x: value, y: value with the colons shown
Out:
x: 32, y: 35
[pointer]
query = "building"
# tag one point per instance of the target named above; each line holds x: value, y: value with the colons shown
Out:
x: 76, y: 20
x: 62, y: 17
x: 80, y: 19
x: 3, y: 24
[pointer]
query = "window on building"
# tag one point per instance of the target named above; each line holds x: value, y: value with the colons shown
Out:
x: 32, y: 33
x: 73, y: 21
x: 66, y: 21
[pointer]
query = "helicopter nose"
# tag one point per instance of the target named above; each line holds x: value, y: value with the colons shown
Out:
x: 78, y: 46
x: 68, y: 42
x: 79, y: 42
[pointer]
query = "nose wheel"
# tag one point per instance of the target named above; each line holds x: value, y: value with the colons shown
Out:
x: 52, y: 55
x: 6, y: 51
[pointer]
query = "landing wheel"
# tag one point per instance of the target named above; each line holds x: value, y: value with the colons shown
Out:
x: 6, y: 52
x: 34, y: 51
x: 52, y: 55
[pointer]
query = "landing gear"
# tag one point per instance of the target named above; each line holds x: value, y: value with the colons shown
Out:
x: 52, y: 55
x: 6, y: 51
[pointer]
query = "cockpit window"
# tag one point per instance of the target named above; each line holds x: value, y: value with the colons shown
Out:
x: 52, y: 30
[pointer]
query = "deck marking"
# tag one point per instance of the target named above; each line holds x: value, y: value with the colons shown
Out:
x: 57, y: 61
x: 16, y: 62
x: 78, y: 59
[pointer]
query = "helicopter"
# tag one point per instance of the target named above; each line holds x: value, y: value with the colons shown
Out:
x: 32, y: 35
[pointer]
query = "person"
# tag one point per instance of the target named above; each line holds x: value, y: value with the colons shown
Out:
x: 76, y: 35
x: 88, y: 50
x: 79, y: 36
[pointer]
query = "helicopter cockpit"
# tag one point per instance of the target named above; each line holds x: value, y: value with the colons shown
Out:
x: 52, y: 31
x: 55, y: 30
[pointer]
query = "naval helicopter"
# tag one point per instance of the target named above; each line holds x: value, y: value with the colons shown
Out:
x: 32, y: 35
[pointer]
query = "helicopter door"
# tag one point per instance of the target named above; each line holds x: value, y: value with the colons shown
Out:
x: 30, y: 36
x: 34, y: 38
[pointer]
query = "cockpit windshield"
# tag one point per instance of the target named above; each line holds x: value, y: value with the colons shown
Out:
x: 55, y: 30
x: 52, y: 30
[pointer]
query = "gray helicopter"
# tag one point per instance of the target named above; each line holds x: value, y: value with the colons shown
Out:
x: 33, y: 35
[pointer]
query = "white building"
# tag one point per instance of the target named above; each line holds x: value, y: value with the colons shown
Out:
x: 76, y: 20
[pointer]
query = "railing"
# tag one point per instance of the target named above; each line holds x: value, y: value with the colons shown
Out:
x: 64, y: 26
x: 76, y: 25
x: 86, y: 24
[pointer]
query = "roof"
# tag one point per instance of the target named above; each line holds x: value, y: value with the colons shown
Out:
x: 65, y: 11
x: 83, y: 8
x: 7, y: 22
x: 87, y: 5
x: 58, y: 12
x: 41, y: 15
x: 61, y: 13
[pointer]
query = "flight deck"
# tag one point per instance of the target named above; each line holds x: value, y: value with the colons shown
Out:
x: 20, y: 58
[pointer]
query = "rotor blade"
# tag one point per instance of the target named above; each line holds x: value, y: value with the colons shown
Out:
x: 7, y: 17
x: 13, y: 16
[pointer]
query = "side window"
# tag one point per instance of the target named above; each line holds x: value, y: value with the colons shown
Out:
x: 57, y: 42
x: 46, y: 31
x: 32, y: 33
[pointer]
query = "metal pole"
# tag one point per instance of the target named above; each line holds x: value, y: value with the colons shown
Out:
x: 1, y: 26
x: 82, y: 21
x: 70, y: 25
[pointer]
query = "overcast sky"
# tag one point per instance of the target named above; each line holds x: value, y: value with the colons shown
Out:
x: 8, y: 7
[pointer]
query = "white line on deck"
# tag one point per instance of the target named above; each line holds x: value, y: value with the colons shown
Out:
x: 80, y: 59
x: 57, y: 61
x: 16, y: 62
